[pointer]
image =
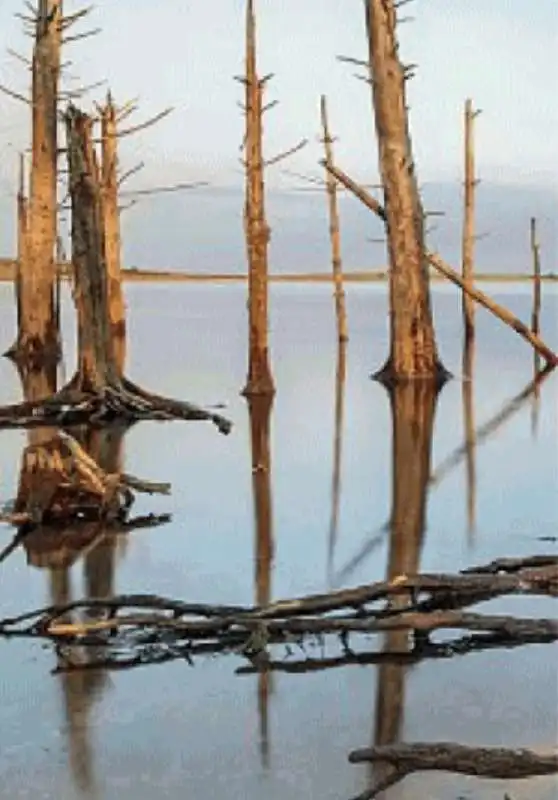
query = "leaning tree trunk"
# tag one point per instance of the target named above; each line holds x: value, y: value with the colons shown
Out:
x: 38, y: 338
x: 413, y: 346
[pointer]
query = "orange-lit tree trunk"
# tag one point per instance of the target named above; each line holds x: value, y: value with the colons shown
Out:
x: 413, y: 345
x: 97, y: 366
x: 468, y: 243
x: 257, y: 231
x: 111, y: 217
x: 38, y: 339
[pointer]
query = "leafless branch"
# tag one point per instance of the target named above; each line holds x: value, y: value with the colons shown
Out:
x: 359, y: 62
x: 127, y: 109
x: 144, y: 125
x: 73, y: 94
x: 401, y: 3
x: 286, y: 153
x: 130, y: 172
x: 15, y: 95
x: 269, y: 106
x: 19, y: 57
x: 79, y: 36
x: 307, y: 178
x: 69, y: 19
x: 163, y: 189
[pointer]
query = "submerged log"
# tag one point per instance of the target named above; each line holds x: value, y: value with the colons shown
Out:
x: 98, y: 392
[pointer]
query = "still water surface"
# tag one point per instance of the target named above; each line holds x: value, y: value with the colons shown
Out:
x: 176, y: 731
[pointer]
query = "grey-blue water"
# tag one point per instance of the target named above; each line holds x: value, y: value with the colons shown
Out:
x: 175, y: 731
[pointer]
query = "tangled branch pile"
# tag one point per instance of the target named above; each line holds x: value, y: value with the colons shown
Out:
x: 140, y: 629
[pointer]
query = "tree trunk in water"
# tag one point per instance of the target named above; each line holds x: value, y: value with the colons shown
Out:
x: 331, y: 186
x: 111, y: 214
x: 413, y: 344
x: 97, y: 362
x: 257, y: 231
x: 468, y: 244
x: 38, y: 338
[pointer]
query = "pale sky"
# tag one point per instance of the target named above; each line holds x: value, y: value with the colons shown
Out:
x: 184, y: 53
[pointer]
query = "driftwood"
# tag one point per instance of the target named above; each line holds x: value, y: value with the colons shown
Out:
x: 437, y: 262
x: 482, y: 762
x: 137, y: 629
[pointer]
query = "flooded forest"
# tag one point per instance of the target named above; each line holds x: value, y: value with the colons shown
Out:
x: 270, y: 540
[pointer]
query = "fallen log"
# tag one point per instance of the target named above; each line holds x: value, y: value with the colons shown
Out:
x: 481, y: 762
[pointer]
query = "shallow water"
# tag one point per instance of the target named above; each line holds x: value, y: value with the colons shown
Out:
x: 175, y: 731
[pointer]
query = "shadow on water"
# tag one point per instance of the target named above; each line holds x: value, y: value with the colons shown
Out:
x: 259, y: 410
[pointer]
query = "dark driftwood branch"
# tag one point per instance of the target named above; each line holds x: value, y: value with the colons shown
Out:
x: 482, y: 762
x: 437, y: 262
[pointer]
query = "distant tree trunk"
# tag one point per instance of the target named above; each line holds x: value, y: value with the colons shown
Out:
x: 468, y: 245
x: 111, y: 214
x: 413, y: 345
x: 257, y: 230
x: 22, y: 231
x: 331, y: 185
x: 38, y: 339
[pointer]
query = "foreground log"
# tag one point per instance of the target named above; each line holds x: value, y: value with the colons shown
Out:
x: 98, y: 392
x: 481, y: 762
x: 499, y: 311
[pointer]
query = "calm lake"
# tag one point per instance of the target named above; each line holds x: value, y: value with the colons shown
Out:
x: 179, y: 731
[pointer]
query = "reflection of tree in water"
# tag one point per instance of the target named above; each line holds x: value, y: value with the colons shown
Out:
x: 413, y: 407
x: 259, y: 409
x: 57, y: 549
x: 340, y: 375
x: 468, y: 388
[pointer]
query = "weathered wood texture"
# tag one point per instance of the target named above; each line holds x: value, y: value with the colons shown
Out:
x: 257, y: 232
x: 413, y: 351
x: 111, y: 221
x: 468, y: 238
x: 38, y: 337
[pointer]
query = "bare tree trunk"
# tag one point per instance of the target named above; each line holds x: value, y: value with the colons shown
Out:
x: 97, y: 363
x: 331, y: 184
x: 468, y: 245
x: 413, y: 344
x: 257, y: 230
x: 38, y: 338
x: 535, y: 251
x: 111, y: 214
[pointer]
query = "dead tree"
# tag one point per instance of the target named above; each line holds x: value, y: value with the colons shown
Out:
x: 38, y: 338
x: 340, y: 376
x: 256, y: 229
x: 440, y: 266
x: 535, y: 252
x: 468, y: 243
x: 99, y: 392
x: 22, y: 227
x: 413, y: 344
x: 334, y: 233
x: 111, y: 221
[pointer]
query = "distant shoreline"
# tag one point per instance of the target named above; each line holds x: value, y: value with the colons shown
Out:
x: 134, y: 275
